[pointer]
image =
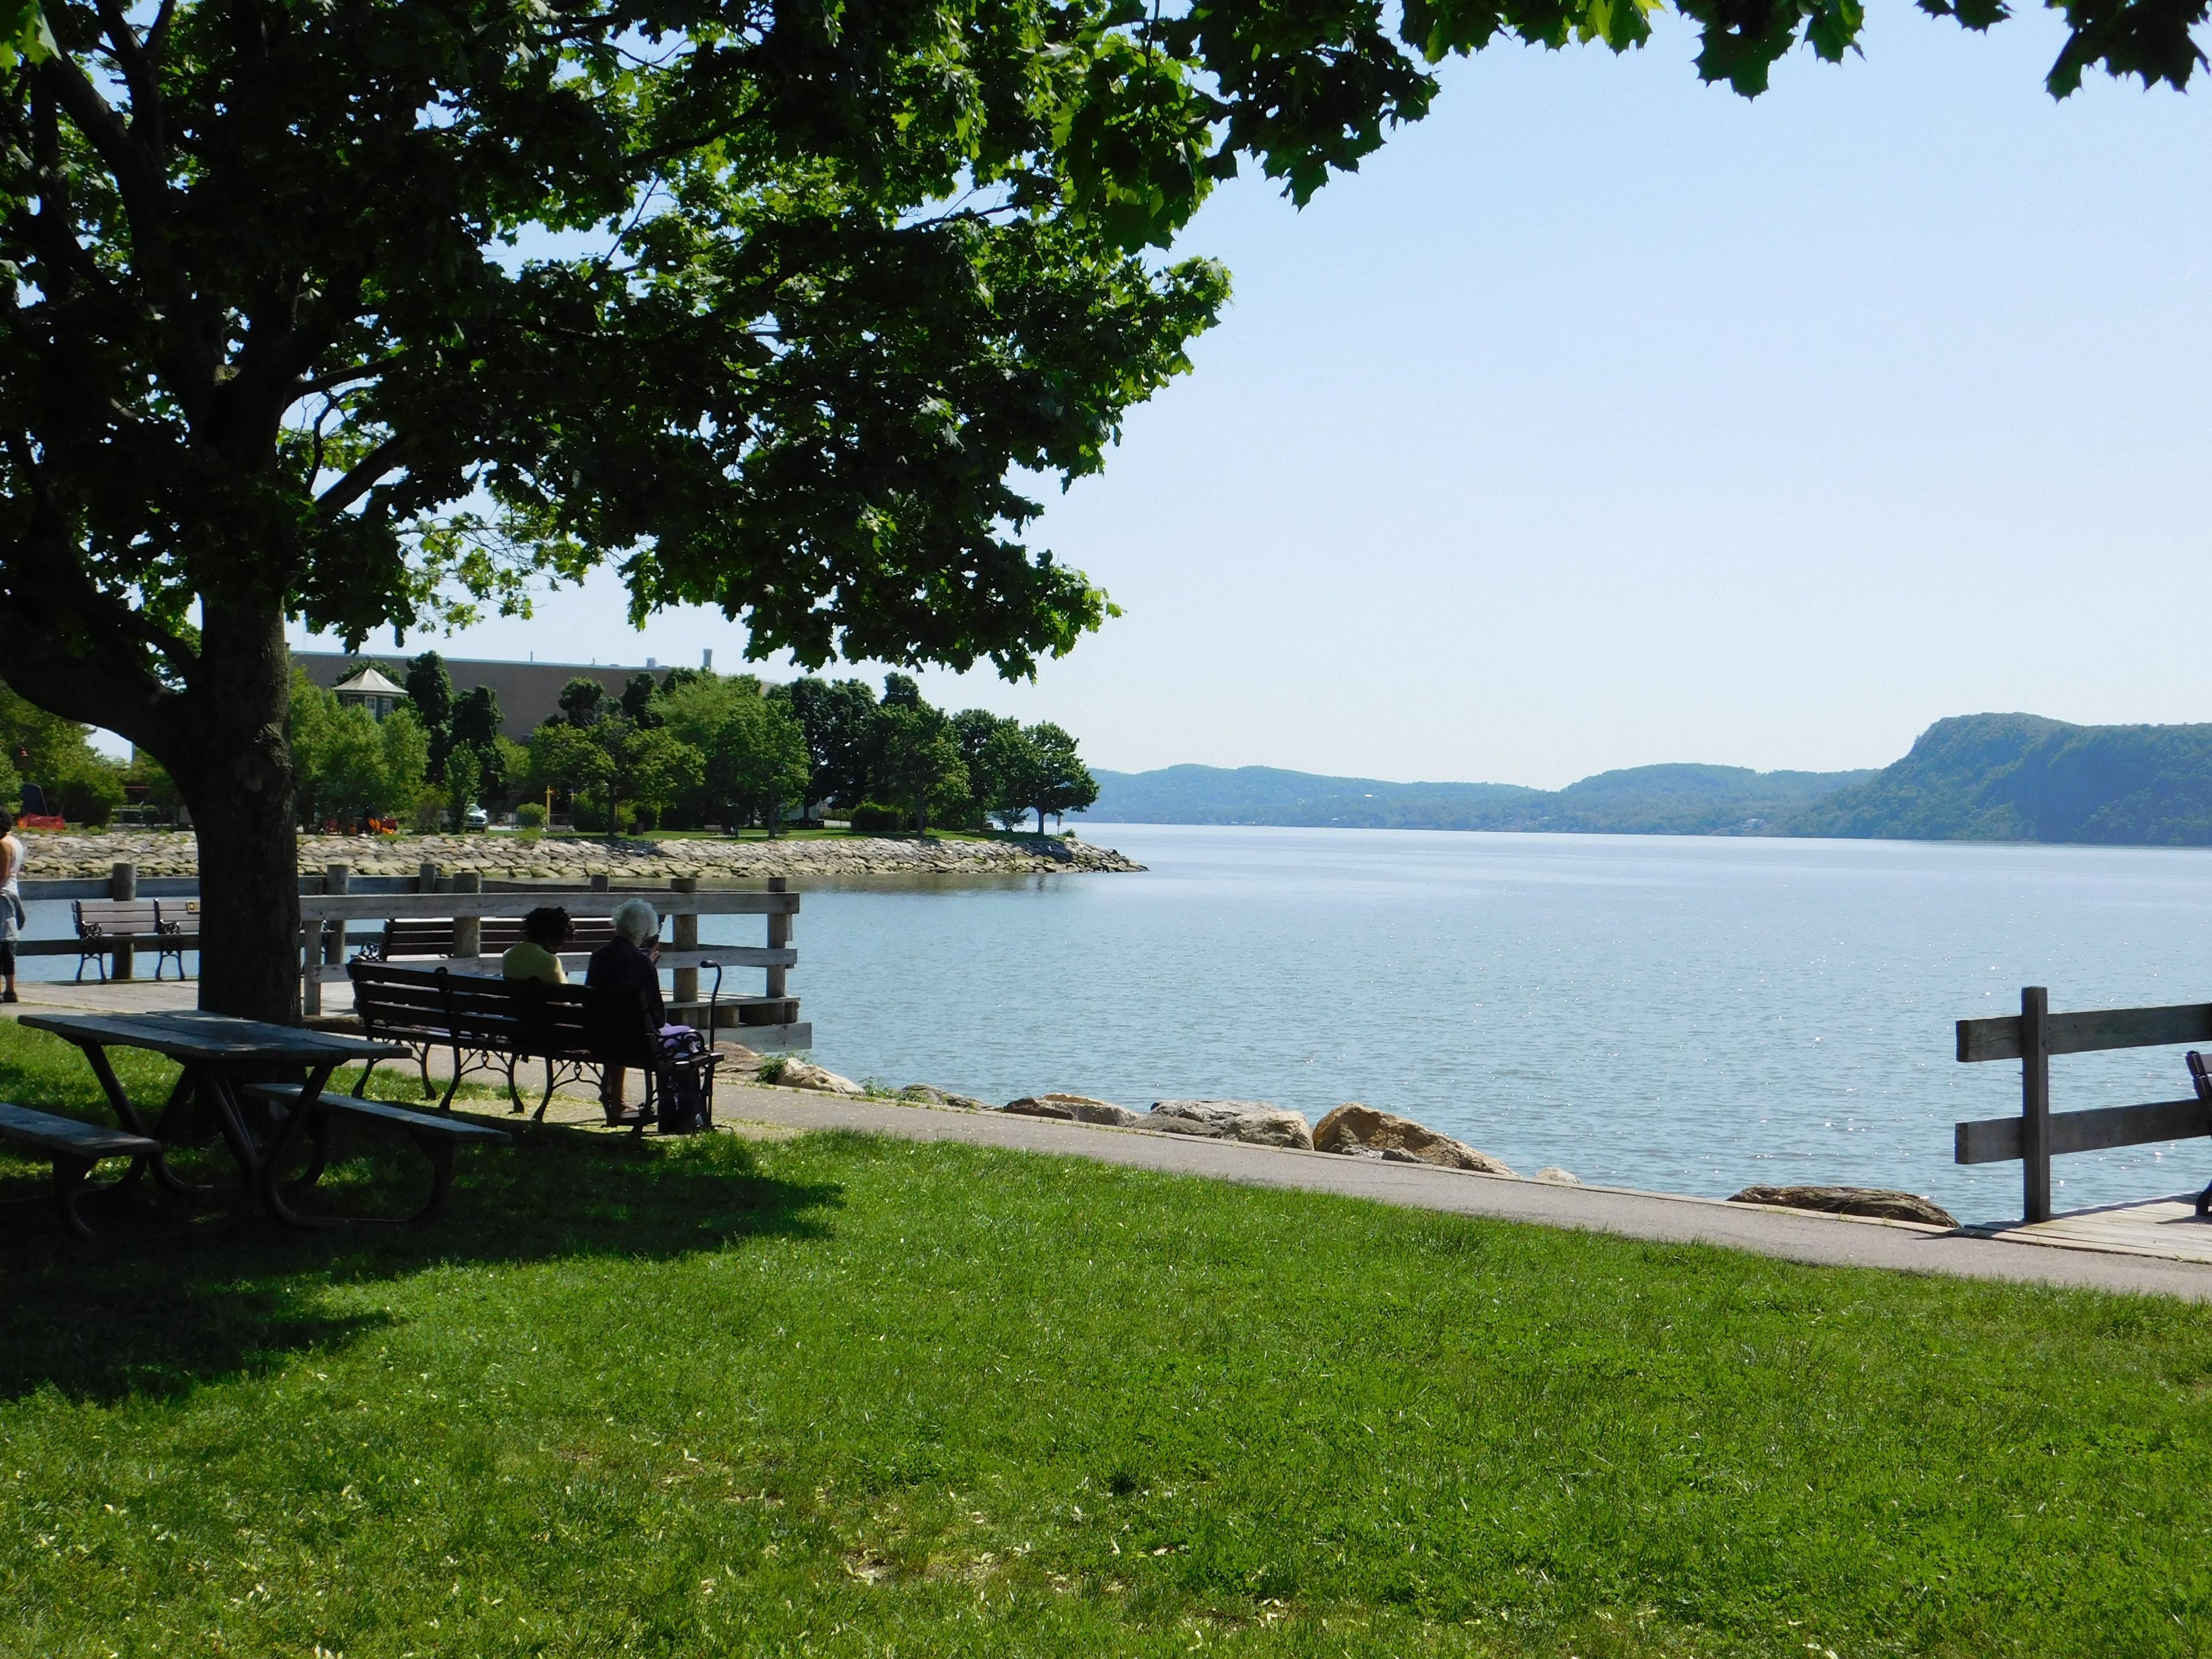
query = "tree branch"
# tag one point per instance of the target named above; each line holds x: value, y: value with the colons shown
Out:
x: 361, y: 477
x: 139, y: 75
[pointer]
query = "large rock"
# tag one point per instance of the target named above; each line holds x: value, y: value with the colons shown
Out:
x: 802, y: 1074
x: 1352, y: 1127
x: 927, y: 1094
x: 1260, y: 1123
x: 1041, y: 1106
x: 1881, y: 1203
x: 1077, y: 1108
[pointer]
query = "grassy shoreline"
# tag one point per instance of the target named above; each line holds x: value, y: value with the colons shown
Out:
x: 845, y: 1395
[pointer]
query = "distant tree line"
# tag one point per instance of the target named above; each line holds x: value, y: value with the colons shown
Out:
x: 696, y: 748
x: 684, y: 750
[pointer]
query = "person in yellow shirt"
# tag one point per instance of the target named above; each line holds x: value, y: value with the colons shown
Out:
x: 544, y: 931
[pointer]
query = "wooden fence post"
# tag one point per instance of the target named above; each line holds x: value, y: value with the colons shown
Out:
x: 2035, y: 1101
x: 122, y: 883
x: 779, y: 934
x: 426, y: 877
x: 686, y: 939
x: 468, y: 930
x: 601, y: 881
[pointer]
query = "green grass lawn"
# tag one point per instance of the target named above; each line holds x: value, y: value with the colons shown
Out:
x: 839, y: 1395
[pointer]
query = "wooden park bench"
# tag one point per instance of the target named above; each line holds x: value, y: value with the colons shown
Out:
x: 496, y: 1024
x: 72, y: 1147
x: 104, y: 924
x: 2039, y: 1134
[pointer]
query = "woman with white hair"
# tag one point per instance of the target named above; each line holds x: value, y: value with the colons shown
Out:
x: 627, y: 963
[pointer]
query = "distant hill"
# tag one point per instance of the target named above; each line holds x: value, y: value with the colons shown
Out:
x: 1664, y: 801
x: 2019, y: 777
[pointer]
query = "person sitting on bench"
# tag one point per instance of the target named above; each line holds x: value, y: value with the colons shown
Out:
x: 626, y: 963
x: 544, y: 931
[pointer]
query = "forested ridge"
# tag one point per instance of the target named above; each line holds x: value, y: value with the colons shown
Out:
x: 1972, y: 777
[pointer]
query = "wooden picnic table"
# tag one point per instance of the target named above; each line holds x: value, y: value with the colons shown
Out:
x: 215, y: 1050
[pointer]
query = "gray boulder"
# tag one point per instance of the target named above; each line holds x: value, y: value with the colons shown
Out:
x: 927, y: 1094
x: 1352, y: 1125
x: 1074, y: 1108
x: 1879, y: 1203
x: 802, y: 1074
x: 1259, y: 1122
x: 1552, y: 1174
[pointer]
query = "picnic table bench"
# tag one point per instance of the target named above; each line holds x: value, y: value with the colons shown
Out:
x: 496, y: 1024
x: 108, y: 923
x: 73, y: 1147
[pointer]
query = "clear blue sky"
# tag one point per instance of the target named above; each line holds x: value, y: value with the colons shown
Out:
x: 1605, y: 418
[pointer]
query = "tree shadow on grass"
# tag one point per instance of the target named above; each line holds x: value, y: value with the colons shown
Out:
x: 137, y: 1314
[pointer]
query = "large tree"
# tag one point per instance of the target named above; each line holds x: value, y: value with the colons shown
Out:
x: 371, y: 311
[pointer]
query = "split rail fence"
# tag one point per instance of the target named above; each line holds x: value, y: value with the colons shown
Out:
x: 2033, y: 1037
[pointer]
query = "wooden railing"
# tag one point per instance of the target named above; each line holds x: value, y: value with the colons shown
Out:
x: 770, y: 1020
x: 329, y: 900
x: 2039, y: 1134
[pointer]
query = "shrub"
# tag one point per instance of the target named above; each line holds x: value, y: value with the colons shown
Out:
x: 589, y: 813
x: 92, y: 796
x: 531, y: 815
x: 771, y: 1067
x: 873, y: 818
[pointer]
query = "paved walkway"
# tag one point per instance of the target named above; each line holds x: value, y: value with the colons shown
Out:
x: 2142, y: 1247
x: 1823, y: 1241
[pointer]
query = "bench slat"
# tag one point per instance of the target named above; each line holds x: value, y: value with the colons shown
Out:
x: 50, y: 1133
x: 449, y: 1128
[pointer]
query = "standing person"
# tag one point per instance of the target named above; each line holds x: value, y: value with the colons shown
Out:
x: 626, y: 963
x: 11, y: 901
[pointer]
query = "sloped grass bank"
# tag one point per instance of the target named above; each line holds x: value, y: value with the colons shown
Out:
x: 845, y: 1397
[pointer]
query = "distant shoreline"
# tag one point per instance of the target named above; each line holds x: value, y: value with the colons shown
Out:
x: 169, y: 853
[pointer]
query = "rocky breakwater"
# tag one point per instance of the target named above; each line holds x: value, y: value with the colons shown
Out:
x: 577, y: 859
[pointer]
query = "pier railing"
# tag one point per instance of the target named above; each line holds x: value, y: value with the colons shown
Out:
x: 2033, y: 1037
x: 329, y: 901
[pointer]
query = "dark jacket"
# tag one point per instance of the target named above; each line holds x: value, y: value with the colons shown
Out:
x: 620, y: 967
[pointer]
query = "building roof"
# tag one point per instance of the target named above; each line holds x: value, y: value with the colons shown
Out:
x: 371, y: 683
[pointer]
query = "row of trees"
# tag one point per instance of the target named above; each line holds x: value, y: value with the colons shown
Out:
x: 697, y: 747
x: 689, y: 748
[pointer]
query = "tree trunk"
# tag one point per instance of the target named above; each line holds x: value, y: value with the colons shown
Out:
x: 237, y: 779
x: 920, y: 815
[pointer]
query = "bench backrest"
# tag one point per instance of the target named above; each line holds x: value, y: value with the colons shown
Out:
x: 98, y: 917
x: 507, y: 1016
x: 433, y: 936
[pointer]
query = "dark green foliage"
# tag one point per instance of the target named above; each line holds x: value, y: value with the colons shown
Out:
x: 874, y: 817
x: 2018, y: 777
x: 477, y: 716
x: 1038, y: 767
x: 839, y: 721
x: 637, y: 699
x: 1674, y: 800
x: 855, y: 1396
x: 983, y: 739
x: 580, y: 700
x: 57, y: 754
x: 430, y: 688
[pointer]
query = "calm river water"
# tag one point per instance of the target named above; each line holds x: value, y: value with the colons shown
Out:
x: 1687, y: 1014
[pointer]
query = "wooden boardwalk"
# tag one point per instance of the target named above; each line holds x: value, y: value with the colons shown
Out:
x: 2167, y: 1227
